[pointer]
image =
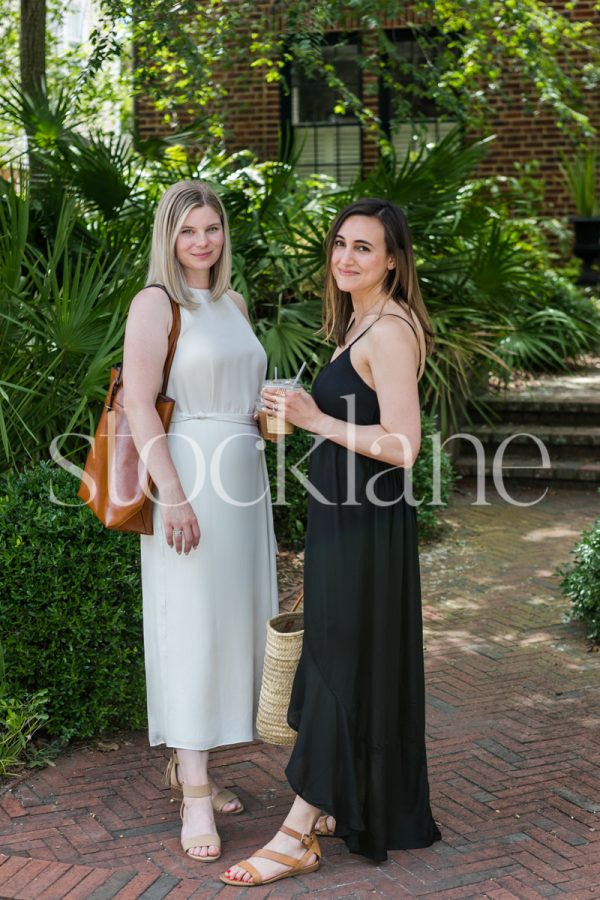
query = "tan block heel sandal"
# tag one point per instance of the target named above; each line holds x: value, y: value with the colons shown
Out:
x: 199, y: 840
x: 218, y: 801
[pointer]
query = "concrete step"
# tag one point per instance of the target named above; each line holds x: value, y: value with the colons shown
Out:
x: 527, y: 470
x: 561, y: 410
x: 548, y: 410
x: 562, y: 441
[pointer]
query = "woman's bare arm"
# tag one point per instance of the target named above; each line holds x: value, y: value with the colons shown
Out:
x: 392, y: 354
x: 146, y: 344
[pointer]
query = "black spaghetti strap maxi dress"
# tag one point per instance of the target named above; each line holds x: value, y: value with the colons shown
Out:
x: 358, y: 697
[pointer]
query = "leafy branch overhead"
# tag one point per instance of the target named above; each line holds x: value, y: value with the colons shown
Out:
x: 190, y: 55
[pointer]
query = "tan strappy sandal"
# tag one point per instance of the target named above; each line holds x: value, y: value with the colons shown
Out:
x: 322, y: 827
x: 296, y: 866
x: 199, y: 840
x: 220, y: 800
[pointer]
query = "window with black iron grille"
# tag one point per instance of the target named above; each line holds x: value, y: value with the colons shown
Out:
x: 412, y: 118
x: 325, y: 141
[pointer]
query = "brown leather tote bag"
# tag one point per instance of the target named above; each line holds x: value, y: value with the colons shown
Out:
x: 115, y: 483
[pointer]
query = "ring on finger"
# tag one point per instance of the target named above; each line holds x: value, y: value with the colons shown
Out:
x: 177, y: 532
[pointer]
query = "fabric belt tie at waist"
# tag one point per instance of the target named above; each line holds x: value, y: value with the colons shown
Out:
x: 236, y: 418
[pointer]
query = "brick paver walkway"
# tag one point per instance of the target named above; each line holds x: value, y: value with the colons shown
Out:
x: 514, y: 746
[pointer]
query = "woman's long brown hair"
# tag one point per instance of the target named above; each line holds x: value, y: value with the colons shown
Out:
x: 400, y: 283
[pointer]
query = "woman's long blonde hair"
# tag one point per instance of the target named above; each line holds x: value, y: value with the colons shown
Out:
x: 401, y: 283
x: 173, y: 209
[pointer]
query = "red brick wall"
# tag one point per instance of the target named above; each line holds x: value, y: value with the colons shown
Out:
x: 525, y: 136
x: 149, y: 122
x: 252, y: 117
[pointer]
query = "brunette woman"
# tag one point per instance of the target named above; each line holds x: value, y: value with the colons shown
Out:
x: 358, y: 697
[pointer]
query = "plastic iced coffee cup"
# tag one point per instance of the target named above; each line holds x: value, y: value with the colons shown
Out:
x: 272, y: 427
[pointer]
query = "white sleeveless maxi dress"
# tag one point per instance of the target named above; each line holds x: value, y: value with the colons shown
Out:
x: 205, y: 614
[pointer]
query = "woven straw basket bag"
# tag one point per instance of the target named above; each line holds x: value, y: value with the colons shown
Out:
x: 285, y: 634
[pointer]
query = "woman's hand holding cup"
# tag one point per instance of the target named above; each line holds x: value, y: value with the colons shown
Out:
x: 271, y: 412
x: 288, y: 404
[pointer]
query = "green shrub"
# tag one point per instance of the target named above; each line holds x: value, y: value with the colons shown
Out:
x: 289, y: 514
x: 290, y: 517
x: 19, y: 721
x: 423, y: 481
x: 582, y: 307
x: 70, y: 609
x: 20, y: 718
x: 581, y: 580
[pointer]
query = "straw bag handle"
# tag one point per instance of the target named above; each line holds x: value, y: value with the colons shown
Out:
x: 298, y: 600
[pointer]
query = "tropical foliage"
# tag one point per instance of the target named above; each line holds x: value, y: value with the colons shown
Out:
x: 74, y: 250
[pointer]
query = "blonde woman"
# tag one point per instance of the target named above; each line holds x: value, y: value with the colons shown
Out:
x: 359, y: 762
x: 208, y: 571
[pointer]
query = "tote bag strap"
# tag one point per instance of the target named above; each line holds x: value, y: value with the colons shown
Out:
x: 173, y: 335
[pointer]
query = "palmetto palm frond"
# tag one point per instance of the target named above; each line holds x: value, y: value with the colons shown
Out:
x: 293, y: 337
x: 540, y: 341
x: 288, y: 346
x: 65, y: 321
x: 47, y: 119
x: 465, y: 349
x: 105, y: 172
x: 429, y: 184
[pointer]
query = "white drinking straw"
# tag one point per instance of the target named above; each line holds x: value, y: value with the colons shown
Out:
x: 275, y: 373
x: 300, y: 371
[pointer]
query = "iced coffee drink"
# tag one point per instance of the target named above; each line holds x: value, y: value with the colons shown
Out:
x: 271, y: 426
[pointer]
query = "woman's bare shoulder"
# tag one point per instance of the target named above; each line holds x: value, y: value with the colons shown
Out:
x: 152, y: 296
x: 397, y: 326
x: 239, y: 301
x: 153, y: 301
x: 387, y: 325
